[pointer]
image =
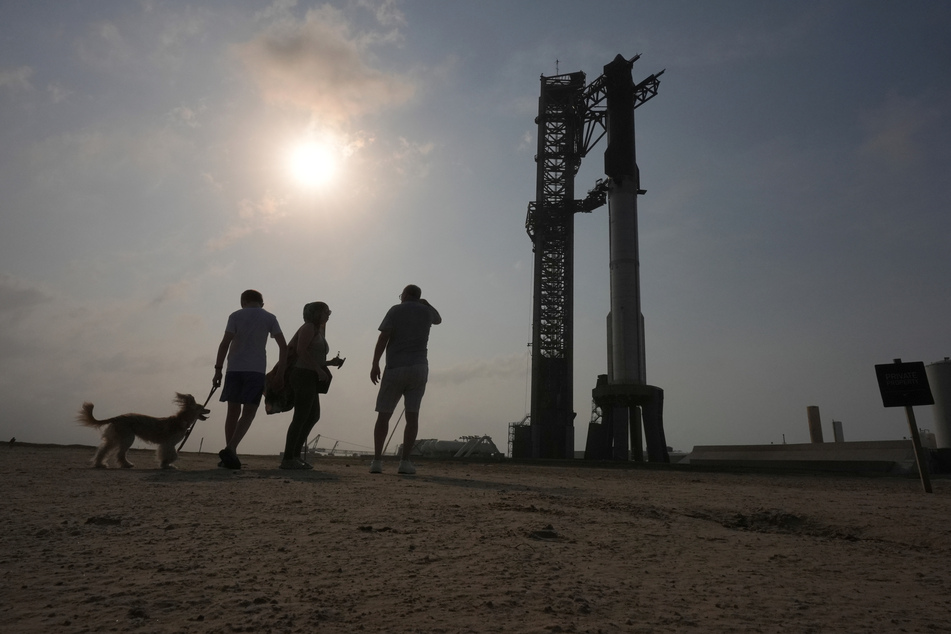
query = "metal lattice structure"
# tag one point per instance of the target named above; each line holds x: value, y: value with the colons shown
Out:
x: 550, y: 225
x: 571, y: 120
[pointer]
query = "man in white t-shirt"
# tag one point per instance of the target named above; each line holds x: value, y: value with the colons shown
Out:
x: 245, y: 344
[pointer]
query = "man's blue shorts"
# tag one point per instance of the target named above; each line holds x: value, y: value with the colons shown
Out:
x: 243, y: 387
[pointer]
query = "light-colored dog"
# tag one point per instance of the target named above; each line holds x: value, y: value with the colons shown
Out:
x: 120, y: 432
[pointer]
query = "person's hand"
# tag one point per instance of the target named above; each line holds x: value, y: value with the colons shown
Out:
x: 375, y: 373
x: 216, y: 382
x: 278, y: 383
x: 337, y: 361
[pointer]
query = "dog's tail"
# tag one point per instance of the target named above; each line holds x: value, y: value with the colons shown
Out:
x: 86, y: 418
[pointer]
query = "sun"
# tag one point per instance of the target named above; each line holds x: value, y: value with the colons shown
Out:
x: 312, y: 164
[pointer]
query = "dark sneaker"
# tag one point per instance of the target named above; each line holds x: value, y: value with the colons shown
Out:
x: 229, y: 459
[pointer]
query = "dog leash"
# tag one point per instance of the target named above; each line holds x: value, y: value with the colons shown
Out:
x: 189, y: 432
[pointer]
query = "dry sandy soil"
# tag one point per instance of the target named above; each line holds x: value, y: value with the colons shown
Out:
x: 463, y: 548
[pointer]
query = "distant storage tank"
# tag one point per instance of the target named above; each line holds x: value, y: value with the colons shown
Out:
x: 837, y: 431
x: 815, y: 424
x: 939, y: 376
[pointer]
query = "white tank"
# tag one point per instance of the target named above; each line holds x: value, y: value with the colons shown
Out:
x: 939, y: 377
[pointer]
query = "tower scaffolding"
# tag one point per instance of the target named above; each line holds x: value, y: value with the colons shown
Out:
x: 572, y: 118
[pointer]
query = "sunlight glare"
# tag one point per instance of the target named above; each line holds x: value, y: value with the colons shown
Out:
x: 312, y: 164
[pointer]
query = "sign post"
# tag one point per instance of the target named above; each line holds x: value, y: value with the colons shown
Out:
x: 906, y: 385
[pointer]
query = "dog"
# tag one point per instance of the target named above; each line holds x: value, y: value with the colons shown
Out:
x: 120, y: 432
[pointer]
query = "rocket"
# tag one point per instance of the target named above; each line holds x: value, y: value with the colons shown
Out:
x: 626, y: 358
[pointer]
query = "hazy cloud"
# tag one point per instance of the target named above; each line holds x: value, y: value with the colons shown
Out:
x: 16, y: 295
x: 104, y: 47
x: 186, y: 115
x: 173, y: 38
x: 57, y: 93
x: 320, y: 66
x: 528, y: 141
x: 895, y: 131
x: 498, y: 368
x: 277, y: 9
x: 411, y: 157
x: 386, y: 12
x: 16, y: 79
x: 172, y: 292
x: 253, y: 216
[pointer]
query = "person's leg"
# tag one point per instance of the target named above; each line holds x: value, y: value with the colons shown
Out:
x: 231, y: 420
x: 250, y: 388
x: 305, y: 393
x: 386, y: 401
x: 416, y: 377
x: 291, y: 448
x: 231, y: 394
x: 409, y: 433
x: 379, y: 433
x: 248, y: 411
x: 313, y: 416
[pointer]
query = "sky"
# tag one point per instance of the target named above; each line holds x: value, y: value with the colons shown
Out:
x: 794, y: 232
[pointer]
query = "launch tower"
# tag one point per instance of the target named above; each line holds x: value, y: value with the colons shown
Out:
x: 572, y: 118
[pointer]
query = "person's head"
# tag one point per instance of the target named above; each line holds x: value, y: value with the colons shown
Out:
x: 316, y: 313
x: 410, y: 293
x: 251, y: 298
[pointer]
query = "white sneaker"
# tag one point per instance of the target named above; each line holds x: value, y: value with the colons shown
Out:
x: 406, y: 468
x: 376, y: 466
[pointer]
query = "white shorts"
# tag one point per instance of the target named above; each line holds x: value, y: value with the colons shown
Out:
x: 408, y: 383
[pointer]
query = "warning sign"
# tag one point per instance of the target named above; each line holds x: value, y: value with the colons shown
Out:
x: 904, y: 384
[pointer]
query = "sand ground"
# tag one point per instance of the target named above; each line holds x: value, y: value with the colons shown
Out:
x: 463, y: 548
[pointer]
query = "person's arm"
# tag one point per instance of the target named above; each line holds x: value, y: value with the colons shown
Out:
x: 281, y: 360
x: 381, y: 342
x: 220, y: 359
x: 282, y: 350
x: 437, y: 318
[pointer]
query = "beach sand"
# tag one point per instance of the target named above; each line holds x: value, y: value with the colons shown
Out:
x: 463, y: 547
